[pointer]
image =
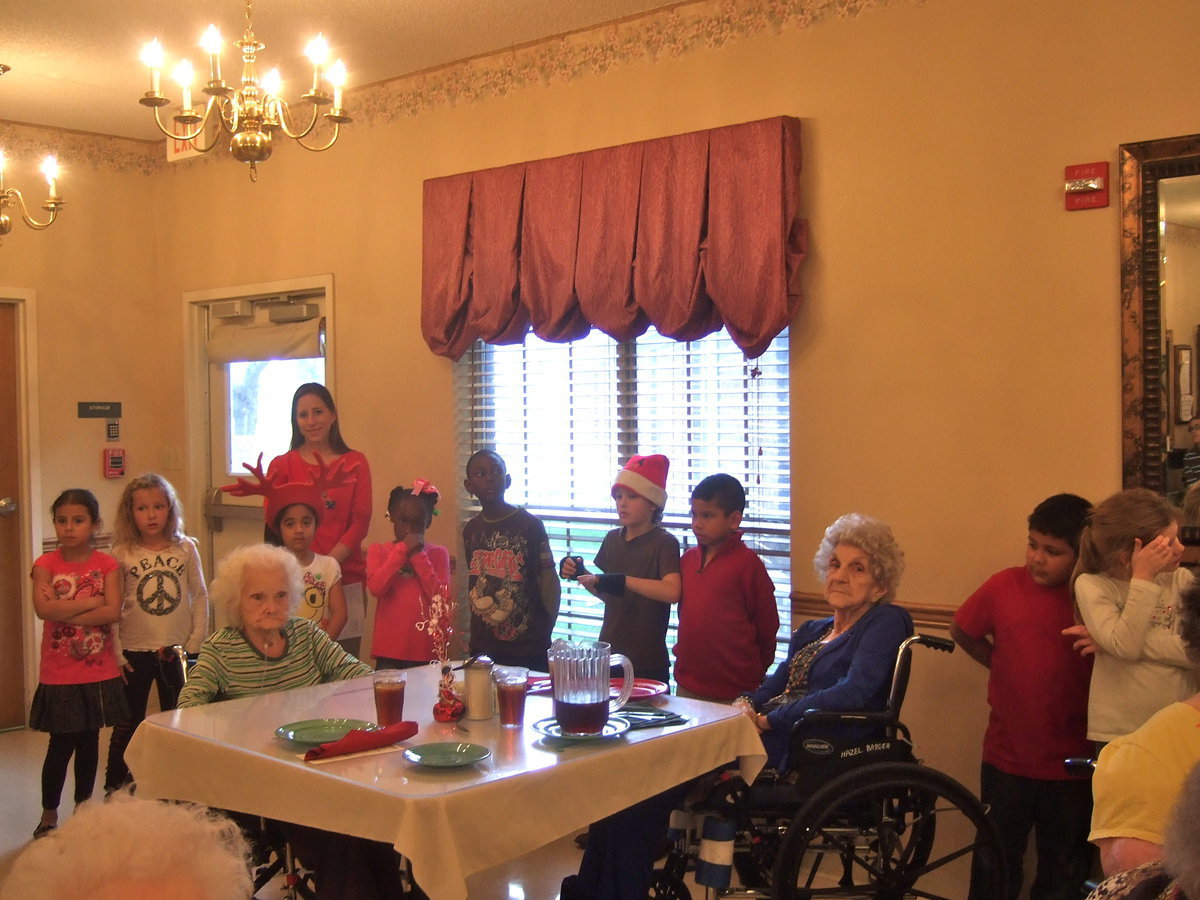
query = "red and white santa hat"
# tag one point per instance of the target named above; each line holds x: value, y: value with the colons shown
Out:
x: 646, y: 476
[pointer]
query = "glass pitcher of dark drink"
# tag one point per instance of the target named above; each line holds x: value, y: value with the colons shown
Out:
x: 581, y: 679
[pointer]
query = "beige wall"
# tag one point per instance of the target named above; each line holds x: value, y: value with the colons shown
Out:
x: 956, y: 357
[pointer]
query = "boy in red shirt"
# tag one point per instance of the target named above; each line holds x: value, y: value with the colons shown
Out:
x: 1038, y: 692
x: 728, y: 620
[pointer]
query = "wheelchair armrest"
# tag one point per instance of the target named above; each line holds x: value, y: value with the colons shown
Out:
x: 814, y: 716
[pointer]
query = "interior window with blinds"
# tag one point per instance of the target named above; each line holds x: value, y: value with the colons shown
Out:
x: 566, y: 417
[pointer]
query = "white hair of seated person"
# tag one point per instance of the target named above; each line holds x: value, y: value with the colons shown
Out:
x: 1181, y: 843
x: 225, y: 592
x: 133, y: 849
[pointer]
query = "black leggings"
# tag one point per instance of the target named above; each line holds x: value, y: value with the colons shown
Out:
x: 85, y: 745
x: 148, y: 668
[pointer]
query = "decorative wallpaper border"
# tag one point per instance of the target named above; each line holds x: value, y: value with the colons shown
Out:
x: 671, y: 32
x: 29, y: 143
x: 665, y: 33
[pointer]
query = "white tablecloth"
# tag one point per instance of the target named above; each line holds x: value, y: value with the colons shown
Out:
x: 450, y: 823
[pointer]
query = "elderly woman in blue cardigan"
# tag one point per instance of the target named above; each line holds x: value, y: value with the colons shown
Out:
x: 842, y: 663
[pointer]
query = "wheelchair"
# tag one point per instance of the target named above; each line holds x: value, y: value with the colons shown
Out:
x: 846, y: 821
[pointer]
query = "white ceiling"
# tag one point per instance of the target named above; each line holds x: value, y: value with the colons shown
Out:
x: 74, y: 63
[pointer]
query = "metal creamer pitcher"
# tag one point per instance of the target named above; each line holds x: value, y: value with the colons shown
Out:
x: 581, y: 679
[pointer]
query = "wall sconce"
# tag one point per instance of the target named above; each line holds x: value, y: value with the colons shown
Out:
x: 12, y: 197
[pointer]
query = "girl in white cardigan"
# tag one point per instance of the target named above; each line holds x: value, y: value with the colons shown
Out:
x: 1127, y: 585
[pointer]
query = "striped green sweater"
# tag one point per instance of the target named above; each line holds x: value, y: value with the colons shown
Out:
x: 229, y: 666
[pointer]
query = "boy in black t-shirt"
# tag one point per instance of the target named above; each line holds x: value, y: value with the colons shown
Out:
x: 512, y: 585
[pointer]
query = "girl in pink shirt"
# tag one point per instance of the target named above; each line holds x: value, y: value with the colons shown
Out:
x: 77, y: 595
x: 404, y: 576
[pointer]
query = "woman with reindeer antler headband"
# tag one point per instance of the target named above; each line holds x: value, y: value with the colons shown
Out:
x: 347, y: 513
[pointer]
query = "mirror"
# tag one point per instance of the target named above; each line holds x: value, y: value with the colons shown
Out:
x: 1152, y: 394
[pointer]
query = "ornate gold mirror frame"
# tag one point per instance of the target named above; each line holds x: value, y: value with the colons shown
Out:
x: 1143, y: 393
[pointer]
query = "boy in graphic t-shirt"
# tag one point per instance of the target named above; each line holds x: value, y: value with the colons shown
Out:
x: 512, y: 586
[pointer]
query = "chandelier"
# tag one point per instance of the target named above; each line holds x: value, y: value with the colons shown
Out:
x: 12, y: 197
x: 253, y: 112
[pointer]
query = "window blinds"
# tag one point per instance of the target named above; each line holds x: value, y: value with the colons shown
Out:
x: 566, y: 417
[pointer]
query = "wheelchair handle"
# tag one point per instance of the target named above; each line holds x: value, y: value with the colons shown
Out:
x: 937, y: 643
x: 1078, y: 765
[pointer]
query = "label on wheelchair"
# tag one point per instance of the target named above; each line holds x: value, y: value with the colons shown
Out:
x: 820, y: 748
x: 815, y: 760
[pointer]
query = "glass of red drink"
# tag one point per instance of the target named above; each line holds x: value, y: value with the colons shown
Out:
x: 511, y: 684
x: 389, y: 695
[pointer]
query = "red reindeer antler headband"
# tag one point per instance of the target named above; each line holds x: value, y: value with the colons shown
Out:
x: 278, y: 493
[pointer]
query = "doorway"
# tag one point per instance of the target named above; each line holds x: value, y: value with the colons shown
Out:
x: 252, y: 346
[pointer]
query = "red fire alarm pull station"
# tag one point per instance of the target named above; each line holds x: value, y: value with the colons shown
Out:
x: 114, y: 462
x: 1087, y: 186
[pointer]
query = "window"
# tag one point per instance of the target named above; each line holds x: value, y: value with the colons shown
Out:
x: 259, y: 350
x: 260, y: 393
x: 565, y: 417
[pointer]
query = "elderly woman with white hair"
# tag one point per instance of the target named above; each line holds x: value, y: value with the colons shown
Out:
x: 843, y: 662
x: 117, y: 850
x: 267, y: 647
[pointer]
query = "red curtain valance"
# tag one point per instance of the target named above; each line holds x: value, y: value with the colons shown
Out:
x: 687, y: 233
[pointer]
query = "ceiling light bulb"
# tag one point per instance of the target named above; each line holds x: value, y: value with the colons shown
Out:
x: 272, y: 83
x: 337, y: 74
x: 183, y: 73
x: 317, y: 50
x: 153, y: 55
x: 50, y: 168
x: 210, y: 41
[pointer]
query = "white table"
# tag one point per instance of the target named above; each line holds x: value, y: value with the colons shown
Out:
x: 450, y: 823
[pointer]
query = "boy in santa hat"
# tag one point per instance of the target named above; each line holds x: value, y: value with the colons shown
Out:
x: 640, y: 562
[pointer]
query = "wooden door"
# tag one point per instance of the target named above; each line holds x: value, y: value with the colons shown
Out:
x: 12, y: 566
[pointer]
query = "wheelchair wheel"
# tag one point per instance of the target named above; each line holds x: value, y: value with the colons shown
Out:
x: 889, y: 831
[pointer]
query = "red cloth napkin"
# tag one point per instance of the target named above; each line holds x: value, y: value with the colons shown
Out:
x: 358, y: 740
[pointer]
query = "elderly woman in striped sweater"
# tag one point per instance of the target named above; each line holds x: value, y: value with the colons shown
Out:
x: 266, y: 648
